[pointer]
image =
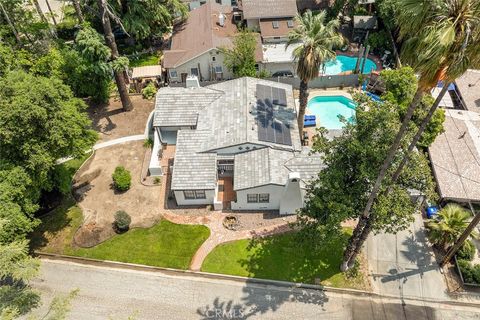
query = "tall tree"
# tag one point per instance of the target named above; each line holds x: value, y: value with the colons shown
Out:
x: 318, y: 38
x: 10, y: 23
x: 52, y: 13
x: 441, y: 42
x: 110, y: 40
x: 241, y: 58
x: 78, y: 11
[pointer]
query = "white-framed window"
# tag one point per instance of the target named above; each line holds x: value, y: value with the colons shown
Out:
x: 275, y: 24
x: 290, y: 23
x: 218, y: 69
x: 173, y: 73
x: 264, y: 198
x: 252, y: 198
x: 194, y: 71
x: 194, y: 194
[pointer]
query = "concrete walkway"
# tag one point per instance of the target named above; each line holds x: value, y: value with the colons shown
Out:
x: 108, y: 144
x: 219, y: 234
x: 404, y: 265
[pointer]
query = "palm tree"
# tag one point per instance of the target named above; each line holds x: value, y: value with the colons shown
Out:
x: 318, y: 39
x: 441, y: 42
x: 110, y: 40
x: 453, y: 219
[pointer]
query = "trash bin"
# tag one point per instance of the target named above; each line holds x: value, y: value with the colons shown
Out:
x: 431, y: 211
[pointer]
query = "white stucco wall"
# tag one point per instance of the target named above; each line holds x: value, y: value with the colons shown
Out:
x: 275, y: 192
x: 154, y: 168
x: 280, y: 66
x: 206, y: 63
x: 181, y: 201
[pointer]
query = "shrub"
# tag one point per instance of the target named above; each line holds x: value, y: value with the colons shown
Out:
x: 148, y: 143
x: 121, y: 179
x: 470, y: 273
x: 157, y: 180
x: 149, y: 91
x: 467, y: 251
x: 122, y: 221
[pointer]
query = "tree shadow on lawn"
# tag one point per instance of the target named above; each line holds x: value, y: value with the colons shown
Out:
x: 287, y: 257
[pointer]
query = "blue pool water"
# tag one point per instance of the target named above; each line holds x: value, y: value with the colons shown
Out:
x: 345, y: 63
x: 329, y: 108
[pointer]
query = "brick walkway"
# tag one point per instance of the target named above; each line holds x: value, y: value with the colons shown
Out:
x: 219, y: 234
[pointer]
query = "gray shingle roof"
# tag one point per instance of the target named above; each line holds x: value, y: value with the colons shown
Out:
x: 455, y: 156
x: 193, y: 170
x: 308, y: 165
x: 180, y: 106
x: 255, y: 9
x: 469, y: 86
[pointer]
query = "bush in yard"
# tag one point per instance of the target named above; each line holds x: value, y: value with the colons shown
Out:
x: 467, y: 251
x: 122, y: 221
x: 121, y: 179
x: 149, y: 91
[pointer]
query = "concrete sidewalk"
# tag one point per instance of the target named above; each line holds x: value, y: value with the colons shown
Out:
x: 404, y: 265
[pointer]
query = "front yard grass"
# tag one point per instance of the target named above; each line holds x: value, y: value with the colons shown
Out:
x: 146, y: 59
x: 281, y: 257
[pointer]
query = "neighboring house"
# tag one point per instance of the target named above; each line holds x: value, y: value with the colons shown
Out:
x: 195, y: 44
x: 237, y: 145
x: 194, y: 4
x: 272, y: 18
x: 314, y: 5
x: 455, y: 157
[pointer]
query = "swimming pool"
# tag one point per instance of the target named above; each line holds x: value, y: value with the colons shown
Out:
x: 329, y: 108
x: 346, y: 63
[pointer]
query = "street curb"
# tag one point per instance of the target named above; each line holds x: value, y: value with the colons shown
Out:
x: 265, y: 282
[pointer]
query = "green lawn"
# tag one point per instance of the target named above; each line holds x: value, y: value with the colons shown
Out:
x: 148, y: 59
x: 164, y: 245
x: 280, y: 257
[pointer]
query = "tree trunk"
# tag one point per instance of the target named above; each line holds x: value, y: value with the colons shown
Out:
x: 51, y: 12
x: 458, y: 244
x: 110, y: 40
x: 383, y: 170
x: 303, y: 106
x: 419, y: 133
x: 11, y: 25
x: 352, y: 243
x: 78, y: 11
x: 43, y: 18
x: 361, y: 240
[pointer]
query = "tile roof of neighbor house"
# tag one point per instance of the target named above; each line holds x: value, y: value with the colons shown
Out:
x: 455, y: 156
x: 201, y: 33
x: 469, y: 86
x: 267, y: 29
x: 180, y: 106
x: 303, y: 5
x: 257, y: 9
x: 193, y: 170
x: 228, y: 121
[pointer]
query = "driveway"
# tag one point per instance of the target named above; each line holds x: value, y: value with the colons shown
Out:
x: 403, y: 265
x: 113, y: 293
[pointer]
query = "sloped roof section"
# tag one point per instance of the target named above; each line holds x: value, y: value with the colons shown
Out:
x: 455, y: 156
x: 257, y: 9
x: 176, y: 107
x: 193, y: 170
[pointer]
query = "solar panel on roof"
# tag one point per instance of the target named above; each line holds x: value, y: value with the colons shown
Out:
x: 270, y: 127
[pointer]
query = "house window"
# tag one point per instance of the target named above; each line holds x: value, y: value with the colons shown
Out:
x: 276, y: 38
x: 218, y: 69
x: 257, y: 67
x: 194, y: 72
x: 214, y: 59
x: 173, y: 74
x: 275, y: 24
x: 194, y: 194
x: 290, y: 23
x: 264, y: 198
x: 252, y: 198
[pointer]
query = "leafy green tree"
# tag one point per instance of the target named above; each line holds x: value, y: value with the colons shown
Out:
x: 319, y: 39
x: 241, y: 58
x: 351, y: 164
x: 439, y: 47
x: 453, y: 221
x: 40, y: 122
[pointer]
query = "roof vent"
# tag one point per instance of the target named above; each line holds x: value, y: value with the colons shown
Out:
x: 192, y: 82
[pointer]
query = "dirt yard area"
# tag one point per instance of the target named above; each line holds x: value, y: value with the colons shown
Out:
x: 111, y: 122
x: 255, y: 220
x: 99, y: 202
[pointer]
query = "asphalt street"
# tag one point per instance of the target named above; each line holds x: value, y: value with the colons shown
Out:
x: 113, y: 293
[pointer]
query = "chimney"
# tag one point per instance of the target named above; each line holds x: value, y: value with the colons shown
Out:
x: 192, y: 82
x: 292, y: 198
x: 221, y: 20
